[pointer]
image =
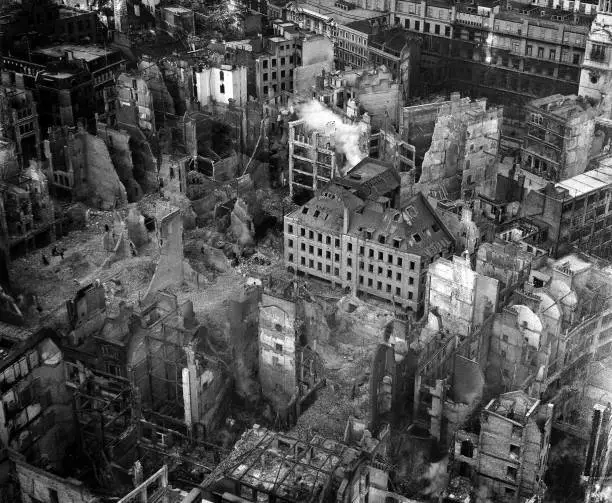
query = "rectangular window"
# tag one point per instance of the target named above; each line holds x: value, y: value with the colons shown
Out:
x: 369, y: 282
x: 265, y: 63
x: 328, y: 255
x: 311, y: 249
x: 379, y: 285
x: 319, y: 252
x: 437, y: 29
x: 303, y: 246
x: 327, y: 269
x: 319, y: 237
x: 282, y: 74
x: 310, y: 235
x: 327, y: 240
x: 388, y: 288
x: 511, y: 472
x: 411, y: 280
x: 336, y: 257
x: 410, y: 295
x: 361, y: 250
x: 311, y: 263
x: 380, y: 256
x: 370, y: 268
x: 598, y: 52
x: 398, y: 291
x: 337, y: 242
x: 265, y: 77
x: 389, y: 258
x: 552, y: 54
x: 348, y: 276
x: 540, y: 52
x: 273, y: 61
x: 371, y: 253
x: 265, y: 90
x: 336, y: 271
x: 389, y: 273
x: 349, y: 262
x: 291, y: 257
x: 349, y: 247
x: 398, y: 276
x: 399, y: 261
x: 447, y: 33
x: 417, y: 26
x: 412, y: 266
x: 290, y: 243
x: 426, y: 27
x: 282, y: 61
x: 273, y: 75
x: 290, y: 229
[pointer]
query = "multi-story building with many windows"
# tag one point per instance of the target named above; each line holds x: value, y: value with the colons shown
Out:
x: 511, y: 52
x: 575, y: 213
x: 366, y: 245
x: 558, y: 140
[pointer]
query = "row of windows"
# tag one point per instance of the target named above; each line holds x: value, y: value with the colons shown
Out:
x: 283, y: 61
x: 283, y: 87
x: 399, y: 261
x: 274, y: 75
x: 387, y: 287
x: 371, y: 253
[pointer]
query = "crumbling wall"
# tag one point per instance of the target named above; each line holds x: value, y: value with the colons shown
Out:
x: 100, y: 186
x: 243, y: 321
x: 118, y: 146
x: 41, y: 486
x: 441, y: 161
x: 169, y: 271
x: 162, y: 100
x: 317, y: 56
x: 277, y: 337
x: 366, y: 324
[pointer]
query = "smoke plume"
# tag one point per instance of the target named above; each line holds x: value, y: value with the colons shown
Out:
x: 317, y: 116
x: 437, y: 475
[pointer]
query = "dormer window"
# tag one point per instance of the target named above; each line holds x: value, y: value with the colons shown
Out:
x: 369, y: 234
x: 316, y: 213
x: 382, y: 239
x: 305, y: 210
x: 396, y: 243
x: 417, y: 237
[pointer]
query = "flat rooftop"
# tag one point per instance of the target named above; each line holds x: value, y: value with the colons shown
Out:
x: 178, y: 10
x: 587, y: 182
x: 84, y: 52
x: 328, y: 9
x: 561, y: 106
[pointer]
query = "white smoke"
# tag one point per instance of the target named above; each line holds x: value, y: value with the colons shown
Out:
x: 347, y: 136
x: 437, y: 475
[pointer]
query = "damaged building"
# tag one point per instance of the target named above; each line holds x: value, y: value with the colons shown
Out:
x: 461, y: 161
x: 367, y: 246
x: 559, y: 134
x: 290, y: 371
x: 510, y: 453
x: 323, y: 146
